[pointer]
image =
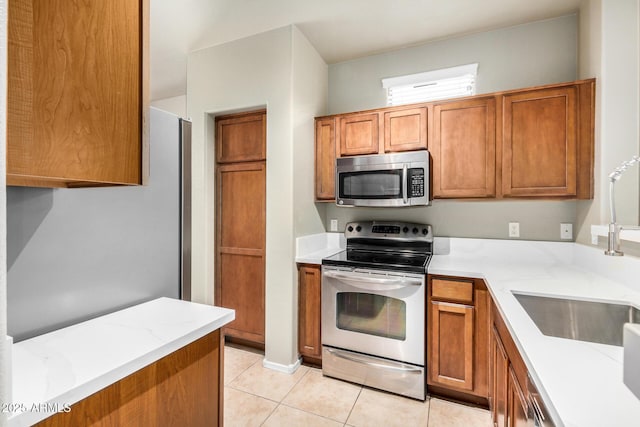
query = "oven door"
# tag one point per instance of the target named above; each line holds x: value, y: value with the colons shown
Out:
x: 374, y: 312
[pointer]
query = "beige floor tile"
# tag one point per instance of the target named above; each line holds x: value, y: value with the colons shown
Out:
x: 266, y: 382
x: 448, y: 414
x: 244, y: 409
x: 377, y: 408
x: 237, y: 361
x: 287, y: 416
x: 323, y: 396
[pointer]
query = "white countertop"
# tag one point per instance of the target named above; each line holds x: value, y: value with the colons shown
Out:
x: 312, y: 248
x: 67, y: 365
x: 580, y: 382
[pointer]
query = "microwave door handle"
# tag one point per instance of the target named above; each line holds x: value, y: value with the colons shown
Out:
x: 405, y: 184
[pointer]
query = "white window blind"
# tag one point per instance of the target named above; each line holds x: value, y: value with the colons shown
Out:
x: 432, y: 85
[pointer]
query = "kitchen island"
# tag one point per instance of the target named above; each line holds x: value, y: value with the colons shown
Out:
x: 580, y: 382
x: 152, y: 360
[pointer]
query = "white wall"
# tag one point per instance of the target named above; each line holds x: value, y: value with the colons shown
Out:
x: 310, y: 92
x: 610, y: 49
x: 525, y: 55
x: 176, y: 105
x: 255, y: 72
x: 5, y: 366
x: 509, y: 58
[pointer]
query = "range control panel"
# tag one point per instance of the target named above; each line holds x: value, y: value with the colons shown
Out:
x: 388, y: 230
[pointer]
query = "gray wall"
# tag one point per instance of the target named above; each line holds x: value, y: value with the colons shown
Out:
x: 73, y: 254
x: 525, y: 55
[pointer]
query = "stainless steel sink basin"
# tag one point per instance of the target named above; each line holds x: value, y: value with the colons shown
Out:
x: 597, y: 322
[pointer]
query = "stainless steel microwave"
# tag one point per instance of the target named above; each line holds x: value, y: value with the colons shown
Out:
x: 386, y: 180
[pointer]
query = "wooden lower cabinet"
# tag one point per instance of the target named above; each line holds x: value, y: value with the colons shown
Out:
x: 508, y: 400
x: 309, y: 324
x: 181, y: 389
x: 458, y: 338
x: 499, y: 381
x: 518, y: 408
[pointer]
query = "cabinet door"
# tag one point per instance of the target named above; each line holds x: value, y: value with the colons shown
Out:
x: 539, y: 143
x: 405, y: 130
x: 359, y: 134
x: 451, y: 361
x: 325, y: 159
x: 309, y: 341
x: 241, y: 138
x: 463, y: 149
x: 500, y: 370
x: 240, y: 240
x: 77, y: 93
x: 518, y: 408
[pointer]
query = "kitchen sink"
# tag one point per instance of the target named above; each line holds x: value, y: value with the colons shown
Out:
x: 597, y: 322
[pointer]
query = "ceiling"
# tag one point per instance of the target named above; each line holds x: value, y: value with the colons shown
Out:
x: 339, y: 29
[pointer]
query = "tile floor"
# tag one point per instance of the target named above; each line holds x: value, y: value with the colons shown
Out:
x: 256, y: 396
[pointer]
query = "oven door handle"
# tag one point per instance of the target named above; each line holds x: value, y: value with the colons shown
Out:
x: 368, y: 280
x: 356, y: 359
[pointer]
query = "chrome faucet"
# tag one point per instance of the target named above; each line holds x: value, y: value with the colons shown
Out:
x: 613, y: 237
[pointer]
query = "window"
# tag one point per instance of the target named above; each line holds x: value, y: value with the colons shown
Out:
x: 431, y: 85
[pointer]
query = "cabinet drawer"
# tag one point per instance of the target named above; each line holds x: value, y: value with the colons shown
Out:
x: 452, y: 290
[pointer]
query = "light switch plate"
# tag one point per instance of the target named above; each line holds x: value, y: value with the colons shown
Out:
x: 333, y: 225
x: 566, y: 231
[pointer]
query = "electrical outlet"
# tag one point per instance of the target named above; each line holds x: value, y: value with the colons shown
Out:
x: 514, y: 229
x: 566, y: 231
x: 333, y: 225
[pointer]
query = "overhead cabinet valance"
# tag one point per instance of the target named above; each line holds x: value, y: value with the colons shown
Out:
x: 528, y: 143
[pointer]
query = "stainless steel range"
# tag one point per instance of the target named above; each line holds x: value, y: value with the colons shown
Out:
x: 373, y: 307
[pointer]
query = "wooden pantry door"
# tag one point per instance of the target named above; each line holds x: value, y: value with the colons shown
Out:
x: 241, y: 223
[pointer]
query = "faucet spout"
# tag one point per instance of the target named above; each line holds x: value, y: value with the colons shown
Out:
x: 613, y: 236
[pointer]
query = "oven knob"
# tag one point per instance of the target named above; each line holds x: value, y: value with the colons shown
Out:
x: 358, y: 229
x: 425, y: 231
x: 405, y: 229
x: 350, y: 228
x: 415, y: 230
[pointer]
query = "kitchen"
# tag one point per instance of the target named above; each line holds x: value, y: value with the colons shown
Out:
x: 221, y: 79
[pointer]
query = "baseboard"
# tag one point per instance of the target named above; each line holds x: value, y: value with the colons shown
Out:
x: 287, y: 369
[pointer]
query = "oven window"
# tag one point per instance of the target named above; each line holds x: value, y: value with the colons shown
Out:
x: 372, y: 314
x: 380, y: 184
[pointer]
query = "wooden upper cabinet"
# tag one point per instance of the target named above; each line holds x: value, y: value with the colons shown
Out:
x: 540, y: 137
x: 533, y: 142
x: 359, y: 134
x: 405, y: 130
x: 77, y: 92
x: 325, y: 159
x: 241, y: 138
x: 463, y: 148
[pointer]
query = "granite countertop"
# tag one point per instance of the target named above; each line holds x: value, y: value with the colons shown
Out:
x: 580, y: 382
x: 64, y: 366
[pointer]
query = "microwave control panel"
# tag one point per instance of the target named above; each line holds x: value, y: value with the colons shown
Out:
x: 416, y: 182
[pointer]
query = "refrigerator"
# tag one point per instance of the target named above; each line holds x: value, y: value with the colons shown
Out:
x: 75, y: 254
